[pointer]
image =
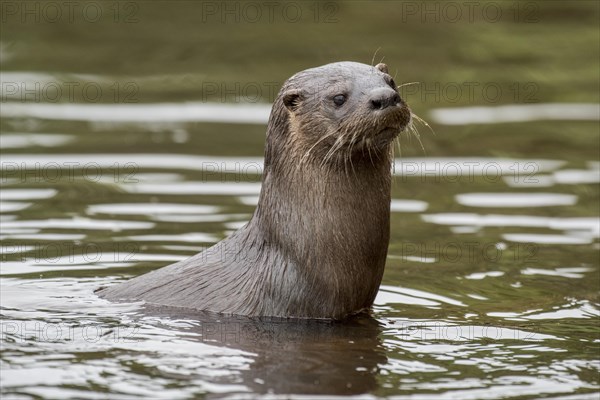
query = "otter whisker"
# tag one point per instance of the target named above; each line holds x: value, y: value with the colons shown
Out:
x: 415, y: 130
x: 375, y: 55
x: 344, y: 156
x: 328, y: 135
x: 407, y: 84
x: 337, y: 145
x: 368, y: 143
x: 332, y: 150
x: 348, y: 157
x: 307, y: 154
x: 397, y: 143
x: 418, y: 136
x: 356, y: 140
x: 412, y: 129
x: 350, y: 147
x: 421, y: 120
x: 393, y: 156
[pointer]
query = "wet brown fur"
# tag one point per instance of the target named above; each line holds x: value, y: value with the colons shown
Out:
x: 317, y: 242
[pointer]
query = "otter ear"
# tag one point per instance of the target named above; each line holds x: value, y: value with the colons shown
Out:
x: 292, y: 98
x: 382, y: 67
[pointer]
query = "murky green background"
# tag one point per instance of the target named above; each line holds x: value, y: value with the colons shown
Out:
x: 491, y: 285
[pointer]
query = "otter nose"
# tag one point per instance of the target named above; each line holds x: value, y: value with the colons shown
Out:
x: 381, y: 98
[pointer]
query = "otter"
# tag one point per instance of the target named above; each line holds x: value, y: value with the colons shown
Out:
x: 317, y: 242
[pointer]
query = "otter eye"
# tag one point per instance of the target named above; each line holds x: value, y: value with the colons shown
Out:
x: 392, y: 84
x: 339, y: 99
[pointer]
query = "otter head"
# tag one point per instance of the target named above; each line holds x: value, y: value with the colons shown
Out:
x: 342, y: 111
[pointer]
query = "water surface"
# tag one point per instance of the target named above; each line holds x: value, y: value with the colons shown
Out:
x: 491, y: 289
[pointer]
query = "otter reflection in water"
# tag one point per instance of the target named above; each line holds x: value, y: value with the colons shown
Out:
x: 284, y: 356
x: 317, y: 242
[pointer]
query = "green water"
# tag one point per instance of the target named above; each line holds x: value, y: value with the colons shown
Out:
x: 492, y: 282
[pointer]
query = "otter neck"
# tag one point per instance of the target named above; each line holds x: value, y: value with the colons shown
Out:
x: 330, y: 224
